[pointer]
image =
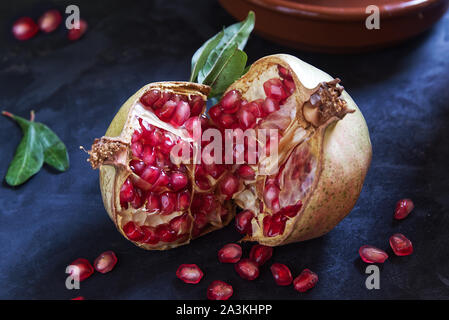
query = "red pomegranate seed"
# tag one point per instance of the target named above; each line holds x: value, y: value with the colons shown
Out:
x: 81, y: 268
x: 246, y: 172
x: 151, y: 174
x: 167, y: 111
x: 208, y: 204
x: 75, y: 34
x: 105, y: 262
x: 137, y: 149
x: 274, y: 89
x: 401, y: 245
x: 246, y: 118
x: 260, y: 254
x: 230, y: 253
x: 197, y: 105
x: 150, y: 235
x: 165, y: 234
x: 148, y: 155
x: 305, y: 281
x: 226, y: 120
x: 291, y: 211
x: 179, y: 224
x: 182, y: 113
x: 137, y: 201
x: 78, y: 298
x: 371, y: 254
x: 284, y: 72
x: 202, y: 183
x: 274, y: 225
x: 281, y: 274
x: 243, y: 222
x: 162, y: 100
x: 247, y: 269
x: 271, y: 194
x: 255, y: 107
x: 127, y: 192
x: 168, y: 203
x: 215, y: 112
x: 189, y: 273
x: 403, y: 208
x: 150, y: 97
x: 153, y: 203
x: 24, y: 28
x: 289, y: 86
x: 230, y: 99
x: 183, y: 200
x: 154, y: 138
x: 229, y: 185
x: 137, y: 166
x: 178, y: 180
x: 219, y: 290
x: 132, y: 231
x: 50, y: 21
x: 270, y: 106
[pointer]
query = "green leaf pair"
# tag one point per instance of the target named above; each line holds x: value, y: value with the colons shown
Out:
x: 221, y: 60
x: 39, y: 145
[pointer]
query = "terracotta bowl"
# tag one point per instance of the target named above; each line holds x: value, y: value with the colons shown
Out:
x: 338, y: 25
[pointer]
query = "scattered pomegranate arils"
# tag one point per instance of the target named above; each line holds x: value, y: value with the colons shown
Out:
x: 150, y: 97
x: 150, y: 235
x: 219, y: 290
x: 132, y: 231
x: 81, y: 268
x: 168, y: 203
x: 246, y: 172
x: 403, y: 208
x: 105, y: 262
x: 370, y: 254
x: 229, y: 185
x: 189, y: 273
x: 230, y: 253
x: 260, y: 254
x: 243, y: 222
x: 247, y: 269
x: 50, y: 21
x: 274, y: 89
x: 305, y: 281
x: 78, y: 298
x: 24, y: 28
x: 281, y: 274
x: 401, y: 245
x: 76, y: 33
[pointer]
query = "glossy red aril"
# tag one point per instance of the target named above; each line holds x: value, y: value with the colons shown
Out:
x: 132, y: 231
x: 153, y: 203
x: 165, y: 234
x: 180, y: 224
x: 274, y: 225
x: 370, y: 254
x: 149, y: 235
x: 246, y: 118
x: 105, y: 262
x: 78, y: 31
x: 230, y: 253
x: 305, y: 281
x: 50, y: 21
x: 127, y: 193
x: 243, y: 222
x: 274, y: 89
x: 281, y: 274
x: 24, y: 28
x: 271, y: 195
x: 168, y: 202
x: 247, y: 269
x: 178, y: 180
x: 189, y: 273
x: 230, y: 99
x: 403, y: 208
x: 401, y: 245
x: 260, y: 254
x: 219, y: 290
x: 182, y: 113
x: 270, y: 106
x: 81, y: 269
x: 150, y: 97
x: 246, y: 172
x: 78, y: 298
x: 229, y: 185
x: 183, y: 200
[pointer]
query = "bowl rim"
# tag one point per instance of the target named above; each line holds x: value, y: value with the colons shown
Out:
x: 311, y: 11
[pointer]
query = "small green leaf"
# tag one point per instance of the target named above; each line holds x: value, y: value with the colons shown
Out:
x: 234, y: 35
x: 55, y: 152
x: 200, y: 56
x: 29, y: 155
x: 230, y: 71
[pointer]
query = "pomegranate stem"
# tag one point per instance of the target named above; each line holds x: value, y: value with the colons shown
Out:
x: 32, y: 115
x: 7, y: 114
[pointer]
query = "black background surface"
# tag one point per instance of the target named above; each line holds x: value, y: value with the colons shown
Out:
x: 76, y: 88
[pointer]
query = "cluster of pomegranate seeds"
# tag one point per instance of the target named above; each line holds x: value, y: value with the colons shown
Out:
x: 173, y: 108
x: 401, y: 245
x: 50, y: 21
x: 189, y: 273
x: 105, y: 262
x: 219, y: 290
x: 230, y: 253
x: 403, y: 208
x: 305, y: 281
x: 24, y: 28
x: 370, y: 254
x: 260, y: 254
x: 281, y: 274
x: 82, y: 269
x: 247, y: 269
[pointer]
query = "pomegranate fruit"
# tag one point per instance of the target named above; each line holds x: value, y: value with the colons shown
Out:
x: 370, y: 254
x: 401, y: 245
x: 81, y: 268
x: 219, y: 290
x: 189, y: 273
x: 260, y: 254
x: 50, y: 21
x: 247, y: 269
x: 305, y: 281
x: 105, y: 262
x: 24, y: 28
x: 152, y: 188
x: 230, y: 253
x: 403, y: 208
x: 281, y: 274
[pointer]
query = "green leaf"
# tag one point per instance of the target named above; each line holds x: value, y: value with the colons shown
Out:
x: 55, y: 152
x: 29, y: 155
x: 200, y: 56
x: 234, y: 35
x: 230, y: 71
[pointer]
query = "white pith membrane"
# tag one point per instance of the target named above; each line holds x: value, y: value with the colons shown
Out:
x: 118, y: 153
